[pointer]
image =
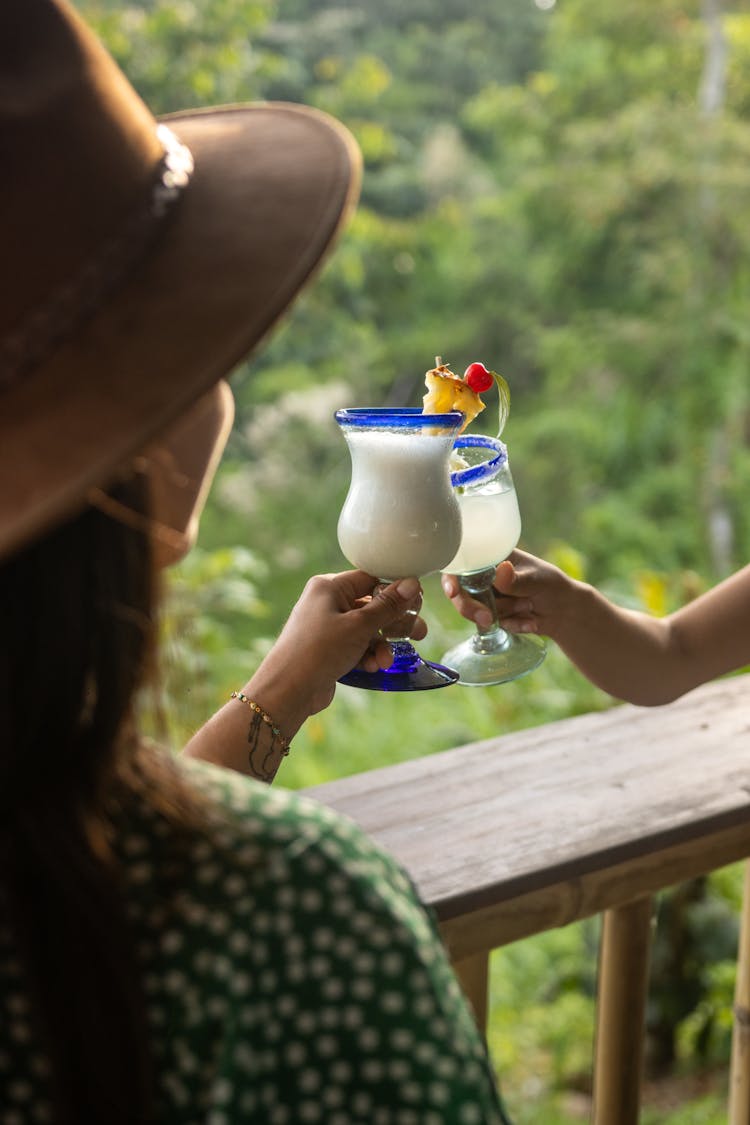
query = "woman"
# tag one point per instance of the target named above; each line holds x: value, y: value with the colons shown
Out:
x: 178, y: 943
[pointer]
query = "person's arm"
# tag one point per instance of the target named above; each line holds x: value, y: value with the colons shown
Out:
x: 631, y: 655
x: 333, y: 627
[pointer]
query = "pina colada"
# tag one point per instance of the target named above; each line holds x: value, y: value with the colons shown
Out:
x: 401, y: 516
x: 491, y: 526
x: 400, y: 519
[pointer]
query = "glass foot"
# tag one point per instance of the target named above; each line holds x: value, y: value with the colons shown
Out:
x: 496, y: 659
x: 408, y: 672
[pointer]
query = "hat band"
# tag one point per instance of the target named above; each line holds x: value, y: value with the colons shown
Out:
x: 64, y: 309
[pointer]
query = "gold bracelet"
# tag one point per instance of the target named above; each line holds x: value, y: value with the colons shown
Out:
x: 285, y: 742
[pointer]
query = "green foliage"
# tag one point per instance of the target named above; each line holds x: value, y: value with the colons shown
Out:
x: 210, y: 617
x: 180, y: 55
x: 542, y: 1011
x: 692, y: 962
x: 706, y: 1111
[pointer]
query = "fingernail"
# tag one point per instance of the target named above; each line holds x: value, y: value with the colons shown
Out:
x: 408, y: 588
x: 483, y: 618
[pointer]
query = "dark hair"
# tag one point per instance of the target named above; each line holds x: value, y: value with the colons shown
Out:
x: 76, y: 636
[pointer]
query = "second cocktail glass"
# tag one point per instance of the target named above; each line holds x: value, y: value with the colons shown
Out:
x: 491, y: 529
x: 400, y: 519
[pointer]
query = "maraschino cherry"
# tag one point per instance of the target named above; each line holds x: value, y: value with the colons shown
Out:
x: 478, y: 377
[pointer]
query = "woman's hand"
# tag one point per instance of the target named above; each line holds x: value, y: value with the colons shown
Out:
x: 532, y: 596
x: 335, y: 625
x: 630, y: 654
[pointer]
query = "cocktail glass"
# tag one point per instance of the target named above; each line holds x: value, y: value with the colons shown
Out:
x: 491, y: 523
x: 400, y: 519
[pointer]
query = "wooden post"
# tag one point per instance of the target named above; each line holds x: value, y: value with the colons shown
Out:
x: 473, y: 974
x: 621, y: 1014
x: 739, y: 1071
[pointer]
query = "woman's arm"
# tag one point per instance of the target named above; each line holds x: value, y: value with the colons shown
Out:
x: 333, y: 627
x: 631, y: 655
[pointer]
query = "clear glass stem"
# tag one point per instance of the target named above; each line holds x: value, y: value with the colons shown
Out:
x: 491, y: 655
x: 398, y: 631
x: 491, y: 637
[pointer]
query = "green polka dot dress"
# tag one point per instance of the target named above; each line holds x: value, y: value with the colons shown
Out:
x: 294, y: 978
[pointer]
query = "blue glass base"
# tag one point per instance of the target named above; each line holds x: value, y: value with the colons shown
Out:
x: 408, y: 672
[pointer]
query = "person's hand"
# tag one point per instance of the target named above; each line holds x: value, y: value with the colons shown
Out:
x: 532, y: 596
x: 335, y: 625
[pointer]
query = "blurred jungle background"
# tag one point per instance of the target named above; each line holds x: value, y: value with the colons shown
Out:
x: 561, y: 190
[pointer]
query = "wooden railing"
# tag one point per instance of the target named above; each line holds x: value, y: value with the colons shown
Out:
x: 537, y: 829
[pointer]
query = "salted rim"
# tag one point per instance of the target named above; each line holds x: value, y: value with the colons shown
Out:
x: 485, y: 470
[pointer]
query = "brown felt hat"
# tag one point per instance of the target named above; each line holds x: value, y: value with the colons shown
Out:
x: 138, y: 264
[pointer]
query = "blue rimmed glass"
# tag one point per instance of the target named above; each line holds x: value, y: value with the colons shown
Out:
x: 400, y: 519
x: 491, y: 523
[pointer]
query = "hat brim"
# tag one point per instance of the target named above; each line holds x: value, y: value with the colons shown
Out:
x: 272, y: 186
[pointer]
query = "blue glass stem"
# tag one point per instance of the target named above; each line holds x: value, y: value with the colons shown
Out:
x: 405, y: 658
x: 398, y: 632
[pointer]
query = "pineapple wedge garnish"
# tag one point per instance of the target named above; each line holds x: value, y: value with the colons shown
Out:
x: 447, y: 391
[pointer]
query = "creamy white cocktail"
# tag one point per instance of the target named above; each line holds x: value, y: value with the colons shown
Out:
x: 400, y: 519
x: 401, y: 516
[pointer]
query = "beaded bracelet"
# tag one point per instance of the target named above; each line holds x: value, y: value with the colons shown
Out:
x: 277, y: 735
